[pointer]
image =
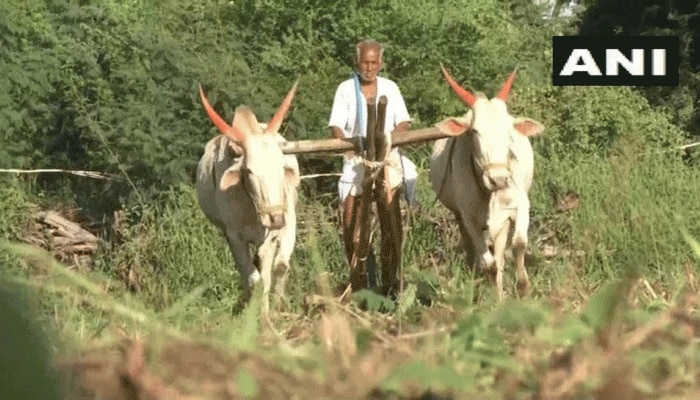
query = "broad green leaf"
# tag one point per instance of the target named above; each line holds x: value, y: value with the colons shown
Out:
x: 571, y: 331
x: 246, y: 384
x: 515, y: 316
x: 373, y: 301
x: 603, y: 304
x: 436, y: 378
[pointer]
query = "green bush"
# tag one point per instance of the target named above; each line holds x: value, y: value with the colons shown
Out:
x: 169, y: 249
x: 25, y: 358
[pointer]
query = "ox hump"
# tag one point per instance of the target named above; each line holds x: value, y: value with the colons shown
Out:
x: 244, y: 119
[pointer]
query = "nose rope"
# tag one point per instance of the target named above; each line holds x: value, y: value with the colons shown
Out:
x: 269, y: 209
x: 485, y: 167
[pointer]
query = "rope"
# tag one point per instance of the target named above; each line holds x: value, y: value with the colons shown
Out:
x: 88, y: 174
x: 378, y: 164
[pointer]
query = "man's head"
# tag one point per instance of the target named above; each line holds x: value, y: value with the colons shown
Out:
x: 368, y: 58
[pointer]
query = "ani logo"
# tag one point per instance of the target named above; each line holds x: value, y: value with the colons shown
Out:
x: 615, y: 60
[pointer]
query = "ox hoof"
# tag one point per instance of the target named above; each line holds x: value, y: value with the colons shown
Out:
x: 487, y: 263
x: 253, y: 278
x: 523, y: 288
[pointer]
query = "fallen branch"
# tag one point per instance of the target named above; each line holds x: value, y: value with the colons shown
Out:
x: 67, y: 234
x: 88, y: 174
x: 416, y: 335
x: 635, y: 338
x: 315, y: 299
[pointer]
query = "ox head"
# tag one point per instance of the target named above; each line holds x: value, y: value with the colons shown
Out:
x: 492, y: 130
x: 267, y: 175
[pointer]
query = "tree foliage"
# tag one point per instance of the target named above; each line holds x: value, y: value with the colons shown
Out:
x: 112, y: 85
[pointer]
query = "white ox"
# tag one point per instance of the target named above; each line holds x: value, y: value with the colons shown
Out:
x: 483, y: 177
x: 246, y: 186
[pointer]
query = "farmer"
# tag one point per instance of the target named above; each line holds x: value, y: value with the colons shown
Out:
x: 349, y: 119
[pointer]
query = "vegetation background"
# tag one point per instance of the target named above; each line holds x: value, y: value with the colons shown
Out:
x: 111, y: 86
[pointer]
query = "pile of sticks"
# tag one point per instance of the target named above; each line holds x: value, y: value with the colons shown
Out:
x: 67, y: 240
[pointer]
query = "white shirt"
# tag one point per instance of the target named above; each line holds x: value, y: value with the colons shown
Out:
x: 344, y: 111
x: 344, y: 116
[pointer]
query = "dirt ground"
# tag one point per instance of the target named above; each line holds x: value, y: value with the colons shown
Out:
x: 182, y: 370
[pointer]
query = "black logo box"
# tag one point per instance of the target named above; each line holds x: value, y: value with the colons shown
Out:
x: 562, y: 47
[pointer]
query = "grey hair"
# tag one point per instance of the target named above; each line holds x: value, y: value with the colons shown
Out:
x: 368, y: 43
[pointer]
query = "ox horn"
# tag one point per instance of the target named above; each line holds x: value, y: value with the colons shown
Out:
x: 226, y: 129
x: 466, y: 96
x: 503, y: 93
x: 274, y: 125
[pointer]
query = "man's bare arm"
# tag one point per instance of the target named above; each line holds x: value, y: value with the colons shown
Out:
x: 402, y: 127
x: 337, y: 132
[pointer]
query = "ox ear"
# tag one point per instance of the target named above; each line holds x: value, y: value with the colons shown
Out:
x: 291, y: 171
x: 455, y: 126
x: 230, y: 178
x: 291, y: 175
x: 528, y: 126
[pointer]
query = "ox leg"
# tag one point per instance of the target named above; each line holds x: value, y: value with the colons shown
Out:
x: 500, y: 242
x: 389, y: 209
x: 466, y: 243
x: 281, y: 264
x: 522, y: 221
x: 479, y: 239
x: 266, y: 252
x: 242, y: 257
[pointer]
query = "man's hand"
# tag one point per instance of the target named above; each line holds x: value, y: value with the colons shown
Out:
x: 338, y: 133
x: 360, y: 144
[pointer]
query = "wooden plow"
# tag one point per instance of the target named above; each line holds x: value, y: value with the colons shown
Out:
x: 377, y: 202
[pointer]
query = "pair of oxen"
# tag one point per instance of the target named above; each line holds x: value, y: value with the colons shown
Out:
x: 481, y: 170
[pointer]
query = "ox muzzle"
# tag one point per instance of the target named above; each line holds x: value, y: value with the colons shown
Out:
x: 272, y: 217
x: 495, y: 176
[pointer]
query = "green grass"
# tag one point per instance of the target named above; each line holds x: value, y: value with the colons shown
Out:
x: 618, y: 318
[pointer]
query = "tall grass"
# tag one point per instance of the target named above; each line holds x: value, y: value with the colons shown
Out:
x: 634, y: 207
x: 171, y: 250
x: 170, y: 276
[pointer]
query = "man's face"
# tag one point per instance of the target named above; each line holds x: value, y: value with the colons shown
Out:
x: 369, y: 64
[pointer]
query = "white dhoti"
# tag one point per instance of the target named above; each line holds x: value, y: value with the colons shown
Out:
x: 398, y: 167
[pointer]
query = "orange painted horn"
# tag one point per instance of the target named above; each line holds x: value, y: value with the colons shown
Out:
x: 503, y: 93
x: 226, y: 129
x: 274, y: 125
x: 466, y: 96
